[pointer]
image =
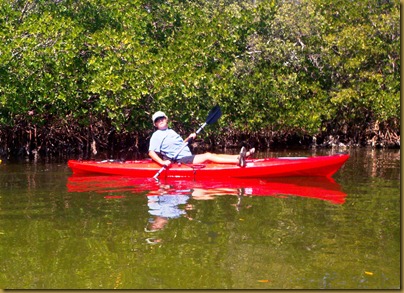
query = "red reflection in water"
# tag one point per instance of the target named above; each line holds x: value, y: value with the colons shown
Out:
x: 311, y: 187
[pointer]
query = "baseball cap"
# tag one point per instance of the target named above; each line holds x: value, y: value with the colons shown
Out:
x: 158, y: 114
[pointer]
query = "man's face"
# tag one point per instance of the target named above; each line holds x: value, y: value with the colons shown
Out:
x: 161, y: 123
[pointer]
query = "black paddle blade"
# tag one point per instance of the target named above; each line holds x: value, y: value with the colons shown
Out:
x: 214, y: 115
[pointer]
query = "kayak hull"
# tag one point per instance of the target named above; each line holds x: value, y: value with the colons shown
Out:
x: 321, y: 166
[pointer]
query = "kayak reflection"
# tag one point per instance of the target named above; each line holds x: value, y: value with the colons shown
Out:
x: 170, y: 199
x: 321, y: 188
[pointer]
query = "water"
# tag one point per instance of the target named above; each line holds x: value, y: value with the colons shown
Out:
x: 61, y: 232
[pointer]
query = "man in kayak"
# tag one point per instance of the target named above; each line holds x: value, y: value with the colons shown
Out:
x: 167, y: 143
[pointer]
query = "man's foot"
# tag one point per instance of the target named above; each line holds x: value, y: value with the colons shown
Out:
x: 250, y: 152
x: 241, y: 157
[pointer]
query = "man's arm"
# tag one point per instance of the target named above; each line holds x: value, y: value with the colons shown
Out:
x: 158, y: 160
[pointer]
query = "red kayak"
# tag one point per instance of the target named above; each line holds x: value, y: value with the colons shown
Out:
x: 321, y: 166
x: 115, y: 187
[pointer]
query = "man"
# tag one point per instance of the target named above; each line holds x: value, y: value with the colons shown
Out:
x: 167, y: 143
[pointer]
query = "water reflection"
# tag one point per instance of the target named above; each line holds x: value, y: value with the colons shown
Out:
x: 311, y: 187
x: 164, y: 205
x: 170, y: 199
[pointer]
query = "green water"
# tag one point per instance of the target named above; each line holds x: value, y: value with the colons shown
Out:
x: 54, y: 238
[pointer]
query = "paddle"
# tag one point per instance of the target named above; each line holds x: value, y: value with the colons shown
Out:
x: 214, y: 114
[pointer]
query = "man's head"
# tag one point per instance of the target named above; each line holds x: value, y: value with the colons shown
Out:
x: 158, y: 115
x: 160, y: 120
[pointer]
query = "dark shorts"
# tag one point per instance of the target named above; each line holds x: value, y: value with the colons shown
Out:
x: 183, y: 160
x: 186, y: 160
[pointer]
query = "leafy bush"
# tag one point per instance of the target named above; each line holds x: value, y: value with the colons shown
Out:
x: 296, y: 66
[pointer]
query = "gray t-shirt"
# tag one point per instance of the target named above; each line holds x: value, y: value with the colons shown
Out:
x: 168, y: 142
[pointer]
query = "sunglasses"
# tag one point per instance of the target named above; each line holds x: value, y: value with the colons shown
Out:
x: 158, y: 119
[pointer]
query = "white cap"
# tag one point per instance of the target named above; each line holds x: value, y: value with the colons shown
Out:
x: 158, y: 114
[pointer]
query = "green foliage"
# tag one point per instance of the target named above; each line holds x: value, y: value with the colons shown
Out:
x: 270, y: 64
x: 365, y: 77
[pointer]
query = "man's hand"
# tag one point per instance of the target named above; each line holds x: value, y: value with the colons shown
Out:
x: 158, y: 160
x: 190, y: 137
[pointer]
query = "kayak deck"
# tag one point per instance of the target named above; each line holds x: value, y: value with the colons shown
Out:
x: 324, y: 166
